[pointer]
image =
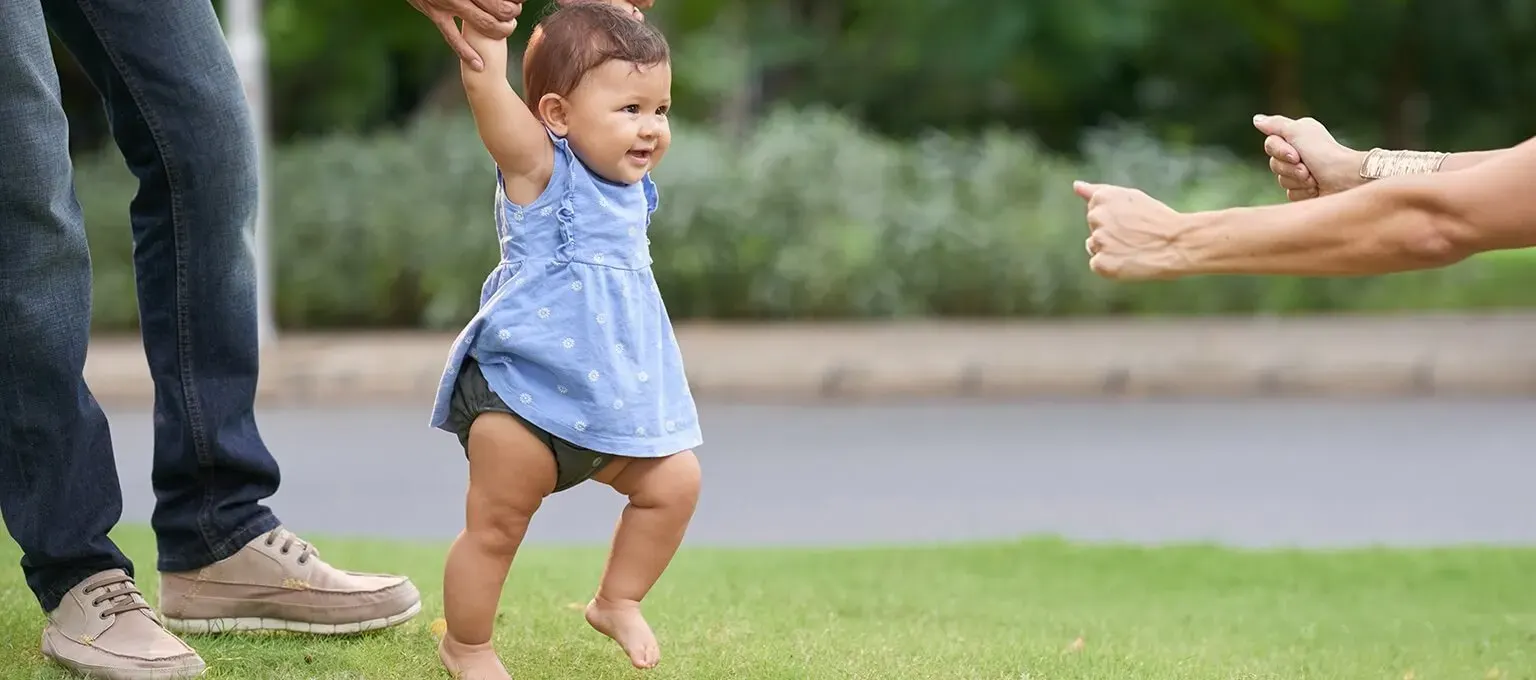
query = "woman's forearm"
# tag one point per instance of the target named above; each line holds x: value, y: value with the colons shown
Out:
x: 1400, y: 224
x: 1467, y: 159
x: 1380, y: 228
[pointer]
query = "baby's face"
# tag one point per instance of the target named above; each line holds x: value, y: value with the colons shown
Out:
x: 617, y: 119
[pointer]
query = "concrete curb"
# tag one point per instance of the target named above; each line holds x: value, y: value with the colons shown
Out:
x: 1349, y: 356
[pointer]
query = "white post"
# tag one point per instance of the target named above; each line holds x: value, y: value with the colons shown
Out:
x: 247, y: 45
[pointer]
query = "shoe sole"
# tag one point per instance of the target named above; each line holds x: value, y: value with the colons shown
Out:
x: 250, y: 624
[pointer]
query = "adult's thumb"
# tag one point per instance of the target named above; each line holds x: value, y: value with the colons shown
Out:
x: 1086, y: 190
x: 1273, y: 125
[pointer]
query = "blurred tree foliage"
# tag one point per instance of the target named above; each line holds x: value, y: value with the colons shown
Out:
x: 1392, y: 72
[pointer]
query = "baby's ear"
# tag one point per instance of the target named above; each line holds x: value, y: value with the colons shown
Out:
x: 555, y: 111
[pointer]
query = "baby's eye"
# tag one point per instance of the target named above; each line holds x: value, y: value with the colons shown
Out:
x: 662, y: 110
x: 632, y: 108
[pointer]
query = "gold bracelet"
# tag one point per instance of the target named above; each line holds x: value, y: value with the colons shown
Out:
x: 1380, y: 163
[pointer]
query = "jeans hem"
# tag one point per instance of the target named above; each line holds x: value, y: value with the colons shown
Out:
x: 50, y: 599
x: 222, y: 550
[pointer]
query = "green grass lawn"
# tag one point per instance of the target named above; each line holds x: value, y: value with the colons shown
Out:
x: 1036, y: 609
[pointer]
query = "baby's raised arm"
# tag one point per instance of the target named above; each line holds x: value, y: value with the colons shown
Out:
x: 515, y: 139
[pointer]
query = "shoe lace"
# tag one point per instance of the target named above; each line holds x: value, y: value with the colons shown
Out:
x: 120, y: 591
x: 290, y: 543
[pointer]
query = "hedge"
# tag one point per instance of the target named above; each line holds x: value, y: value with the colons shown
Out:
x: 807, y: 217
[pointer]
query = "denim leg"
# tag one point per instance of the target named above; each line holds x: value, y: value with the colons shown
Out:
x: 178, y: 114
x: 59, y: 490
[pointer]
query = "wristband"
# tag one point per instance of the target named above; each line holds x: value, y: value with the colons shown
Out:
x: 1381, y: 163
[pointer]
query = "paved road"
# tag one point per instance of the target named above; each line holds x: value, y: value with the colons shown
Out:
x: 1248, y: 473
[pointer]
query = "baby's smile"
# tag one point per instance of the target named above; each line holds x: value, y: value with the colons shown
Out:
x: 640, y: 157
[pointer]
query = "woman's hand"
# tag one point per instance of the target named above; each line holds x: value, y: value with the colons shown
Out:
x: 1307, y: 161
x: 1131, y: 236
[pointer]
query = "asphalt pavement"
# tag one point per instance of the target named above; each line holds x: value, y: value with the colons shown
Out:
x: 1254, y: 473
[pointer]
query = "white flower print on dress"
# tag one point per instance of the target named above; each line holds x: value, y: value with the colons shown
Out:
x: 617, y: 292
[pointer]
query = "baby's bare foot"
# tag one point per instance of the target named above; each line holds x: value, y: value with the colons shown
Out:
x: 471, y: 662
x: 622, y: 622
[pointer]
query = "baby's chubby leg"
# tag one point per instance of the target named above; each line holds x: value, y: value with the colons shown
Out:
x: 663, y: 493
x: 510, y: 472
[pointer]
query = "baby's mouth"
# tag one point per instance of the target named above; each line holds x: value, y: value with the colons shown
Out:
x: 640, y: 156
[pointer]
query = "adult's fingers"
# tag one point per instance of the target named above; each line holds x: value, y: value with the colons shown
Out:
x: 450, y: 31
x: 1292, y: 176
x: 1276, y: 147
x: 472, y: 14
x: 1298, y: 184
x: 500, y: 10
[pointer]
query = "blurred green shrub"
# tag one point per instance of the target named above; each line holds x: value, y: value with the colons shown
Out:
x: 808, y: 217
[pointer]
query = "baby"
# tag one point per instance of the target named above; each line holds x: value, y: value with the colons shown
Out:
x: 570, y: 370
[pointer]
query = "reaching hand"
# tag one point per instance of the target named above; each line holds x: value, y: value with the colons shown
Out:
x: 1307, y: 161
x: 494, y: 18
x: 1130, y: 234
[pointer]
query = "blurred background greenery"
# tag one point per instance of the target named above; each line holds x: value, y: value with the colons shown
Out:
x: 855, y: 159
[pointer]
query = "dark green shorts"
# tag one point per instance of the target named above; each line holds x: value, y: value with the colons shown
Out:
x: 472, y: 396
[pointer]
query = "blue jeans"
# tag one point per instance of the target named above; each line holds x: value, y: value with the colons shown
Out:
x: 177, y: 112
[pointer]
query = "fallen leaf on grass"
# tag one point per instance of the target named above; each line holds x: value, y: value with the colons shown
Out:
x: 439, y: 627
x: 1409, y: 675
x: 1077, y: 645
x: 576, y: 605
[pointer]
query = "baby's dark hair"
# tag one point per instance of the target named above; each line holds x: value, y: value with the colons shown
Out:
x: 581, y: 36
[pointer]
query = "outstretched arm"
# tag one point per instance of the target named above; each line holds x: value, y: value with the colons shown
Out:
x: 1394, y: 225
x: 515, y: 139
x: 1397, y: 224
x: 1308, y: 162
x: 1462, y: 160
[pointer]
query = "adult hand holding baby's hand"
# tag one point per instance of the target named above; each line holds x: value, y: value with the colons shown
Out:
x: 494, y: 18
